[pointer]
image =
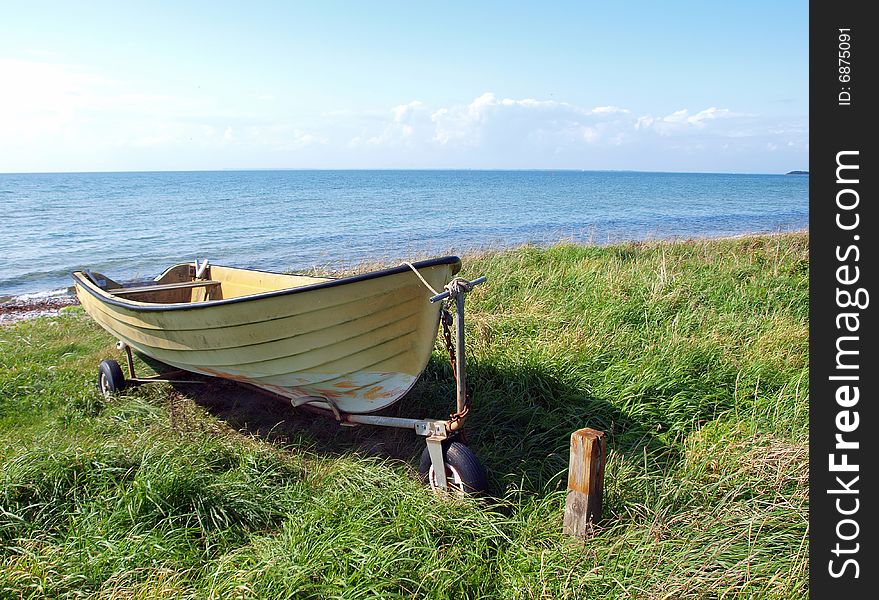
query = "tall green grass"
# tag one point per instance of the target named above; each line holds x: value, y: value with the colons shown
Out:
x: 692, y: 356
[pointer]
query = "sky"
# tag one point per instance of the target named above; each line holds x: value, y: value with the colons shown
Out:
x: 686, y: 86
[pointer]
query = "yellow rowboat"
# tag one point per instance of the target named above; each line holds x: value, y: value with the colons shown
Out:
x: 351, y: 346
x: 360, y: 341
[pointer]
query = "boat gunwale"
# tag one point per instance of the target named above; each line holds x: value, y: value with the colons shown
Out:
x: 108, y: 298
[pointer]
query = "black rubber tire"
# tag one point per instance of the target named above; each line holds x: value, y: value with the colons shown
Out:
x: 461, y: 465
x: 110, y: 378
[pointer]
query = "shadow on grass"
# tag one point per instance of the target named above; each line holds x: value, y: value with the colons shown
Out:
x: 522, y: 419
x: 519, y: 426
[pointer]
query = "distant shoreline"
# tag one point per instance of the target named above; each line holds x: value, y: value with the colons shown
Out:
x: 394, y: 169
x: 23, y: 308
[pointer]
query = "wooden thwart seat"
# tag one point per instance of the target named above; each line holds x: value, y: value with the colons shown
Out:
x: 207, y: 283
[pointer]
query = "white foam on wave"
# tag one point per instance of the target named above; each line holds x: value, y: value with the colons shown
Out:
x: 46, y: 295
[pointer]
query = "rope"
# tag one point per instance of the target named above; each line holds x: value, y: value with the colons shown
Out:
x: 458, y: 286
x: 423, y: 280
x: 455, y: 287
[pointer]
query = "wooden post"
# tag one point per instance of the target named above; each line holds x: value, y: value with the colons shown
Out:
x: 585, y: 481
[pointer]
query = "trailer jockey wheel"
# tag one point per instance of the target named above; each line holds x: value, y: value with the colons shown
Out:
x: 110, y: 378
x: 464, y: 473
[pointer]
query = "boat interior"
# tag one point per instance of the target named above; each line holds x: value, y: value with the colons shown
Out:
x: 188, y: 283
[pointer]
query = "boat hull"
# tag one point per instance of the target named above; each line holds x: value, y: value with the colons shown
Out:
x: 359, y: 342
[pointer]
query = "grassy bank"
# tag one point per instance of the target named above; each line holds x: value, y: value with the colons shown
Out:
x: 691, y: 356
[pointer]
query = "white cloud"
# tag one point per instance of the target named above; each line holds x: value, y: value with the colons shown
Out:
x: 610, y: 110
x: 488, y: 119
x: 684, y: 122
x: 53, y: 114
x: 497, y: 131
x: 60, y: 116
x: 301, y: 139
x: 710, y: 113
x: 278, y: 137
x: 41, y: 97
x: 405, y: 112
x: 400, y: 130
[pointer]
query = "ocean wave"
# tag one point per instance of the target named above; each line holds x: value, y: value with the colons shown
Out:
x: 47, y: 295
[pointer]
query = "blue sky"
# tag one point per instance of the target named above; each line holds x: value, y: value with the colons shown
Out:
x: 671, y: 86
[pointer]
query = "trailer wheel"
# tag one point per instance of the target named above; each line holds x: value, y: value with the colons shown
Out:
x: 110, y: 378
x: 464, y: 473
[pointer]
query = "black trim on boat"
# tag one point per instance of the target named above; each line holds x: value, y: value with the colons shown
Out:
x: 445, y: 260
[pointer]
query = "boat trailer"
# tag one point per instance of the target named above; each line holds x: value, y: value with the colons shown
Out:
x: 446, y: 464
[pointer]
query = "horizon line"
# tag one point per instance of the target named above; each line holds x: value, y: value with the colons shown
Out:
x: 356, y: 169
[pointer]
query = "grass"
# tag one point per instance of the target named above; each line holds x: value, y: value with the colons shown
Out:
x: 692, y: 356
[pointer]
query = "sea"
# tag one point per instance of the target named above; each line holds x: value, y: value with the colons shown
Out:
x: 132, y: 226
